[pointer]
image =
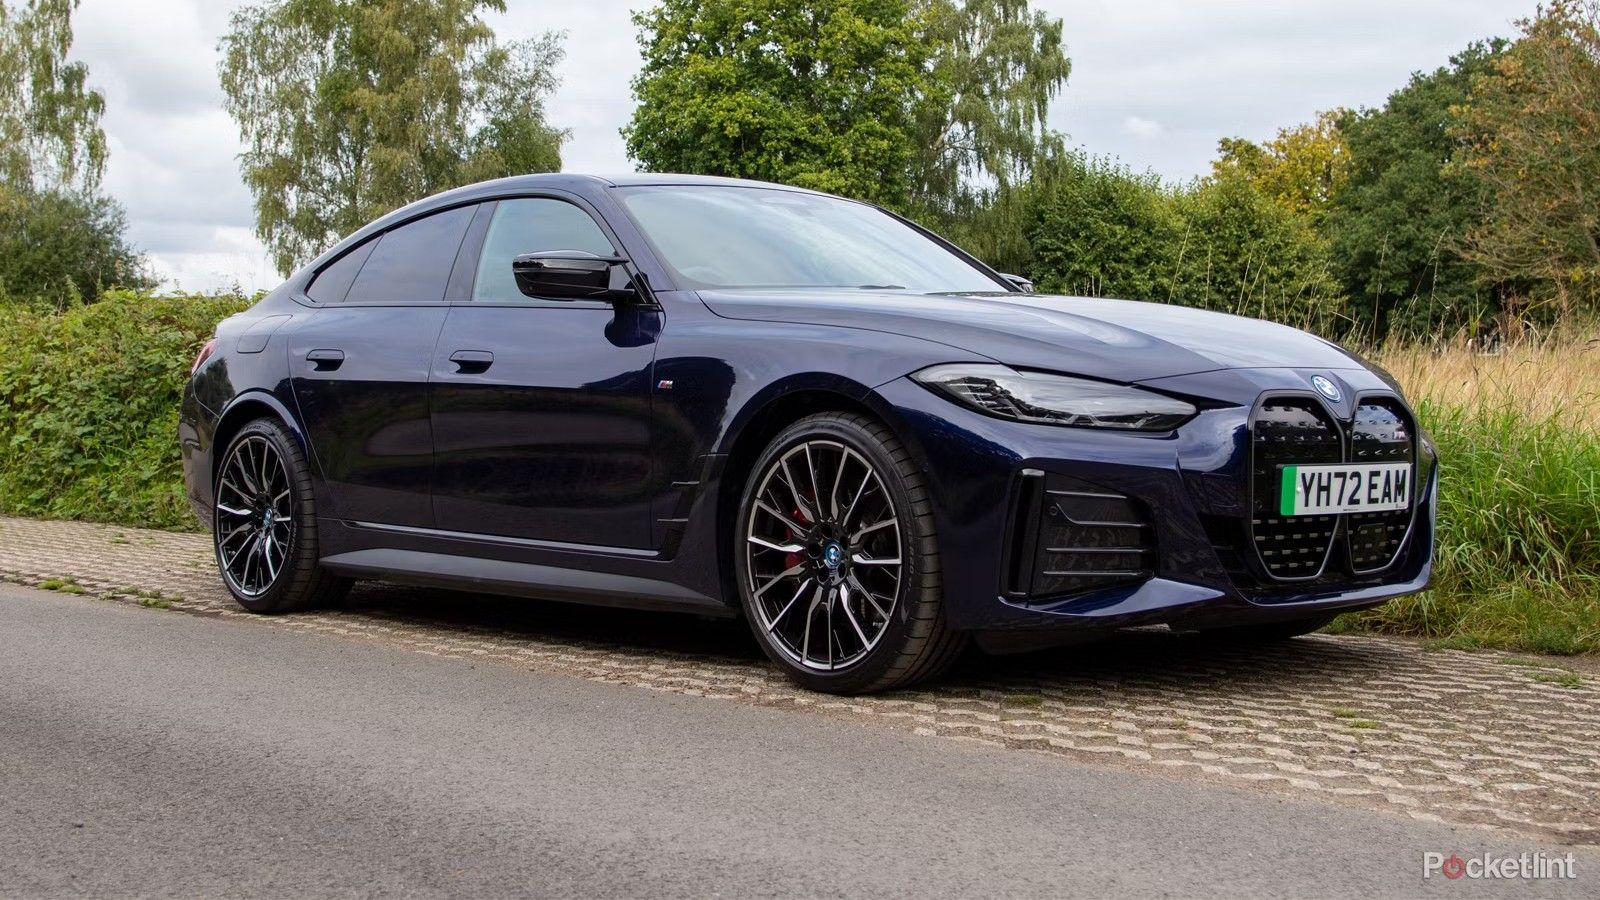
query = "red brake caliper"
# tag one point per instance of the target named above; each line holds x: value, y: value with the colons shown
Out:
x: 794, y: 559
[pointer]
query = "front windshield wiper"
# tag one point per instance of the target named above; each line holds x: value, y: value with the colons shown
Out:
x: 880, y: 287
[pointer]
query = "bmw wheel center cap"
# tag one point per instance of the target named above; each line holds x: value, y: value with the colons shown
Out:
x: 832, y: 555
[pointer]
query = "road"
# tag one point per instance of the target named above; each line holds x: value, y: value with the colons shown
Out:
x: 148, y: 752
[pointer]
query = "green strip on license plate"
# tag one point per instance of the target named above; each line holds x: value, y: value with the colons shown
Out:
x: 1339, y: 488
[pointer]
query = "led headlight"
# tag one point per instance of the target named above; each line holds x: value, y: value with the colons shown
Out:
x: 1054, y: 399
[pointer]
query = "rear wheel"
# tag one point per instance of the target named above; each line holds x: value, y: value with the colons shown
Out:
x: 265, y: 529
x: 837, y: 561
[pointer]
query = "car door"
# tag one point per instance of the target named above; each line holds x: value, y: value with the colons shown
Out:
x: 360, y: 369
x: 541, y: 407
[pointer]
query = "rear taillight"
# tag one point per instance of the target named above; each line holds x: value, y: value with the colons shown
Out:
x: 205, y: 354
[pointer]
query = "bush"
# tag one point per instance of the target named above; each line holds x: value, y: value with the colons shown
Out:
x: 57, y: 249
x: 89, y: 402
x: 1092, y: 227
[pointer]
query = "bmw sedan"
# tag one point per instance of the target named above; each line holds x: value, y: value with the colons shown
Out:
x: 733, y: 398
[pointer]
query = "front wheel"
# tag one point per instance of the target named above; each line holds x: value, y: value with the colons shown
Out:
x: 265, y: 527
x: 837, y: 560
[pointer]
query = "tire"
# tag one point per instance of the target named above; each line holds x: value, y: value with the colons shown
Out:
x: 264, y: 529
x: 1267, y: 632
x: 873, y: 588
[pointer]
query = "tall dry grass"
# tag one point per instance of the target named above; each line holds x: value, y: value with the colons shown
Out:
x: 1518, y: 545
x: 1557, y: 379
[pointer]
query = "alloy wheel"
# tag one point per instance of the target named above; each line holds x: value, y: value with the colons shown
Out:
x: 254, y: 515
x: 824, y: 553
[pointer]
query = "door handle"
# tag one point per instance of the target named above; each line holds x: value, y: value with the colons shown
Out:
x: 325, y: 360
x: 472, y: 362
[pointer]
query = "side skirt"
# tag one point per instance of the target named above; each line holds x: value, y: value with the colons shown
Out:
x: 518, y: 579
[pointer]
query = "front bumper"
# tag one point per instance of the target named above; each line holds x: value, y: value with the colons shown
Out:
x: 1188, y: 492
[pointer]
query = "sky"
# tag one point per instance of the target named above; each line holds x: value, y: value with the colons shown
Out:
x: 1155, y: 84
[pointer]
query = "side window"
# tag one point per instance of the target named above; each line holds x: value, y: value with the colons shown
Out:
x: 412, y: 263
x: 531, y: 225
x: 333, y: 283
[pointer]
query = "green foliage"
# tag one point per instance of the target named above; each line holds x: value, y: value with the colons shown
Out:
x: 60, y: 241
x: 1095, y: 228
x: 88, y: 407
x: 50, y: 135
x: 1532, y: 132
x: 58, y: 248
x: 1397, y: 224
x: 1245, y: 252
x: 1100, y: 230
x: 351, y: 108
x: 818, y: 95
x: 1301, y: 169
x: 982, y: 125
x: 1518, y: 558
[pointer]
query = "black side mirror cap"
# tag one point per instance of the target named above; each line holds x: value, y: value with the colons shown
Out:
x: 565, y: 275
x: 1020, y: 283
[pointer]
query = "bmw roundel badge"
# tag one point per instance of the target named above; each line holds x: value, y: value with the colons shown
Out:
x: 833, y: 555
x: 1327, y: 388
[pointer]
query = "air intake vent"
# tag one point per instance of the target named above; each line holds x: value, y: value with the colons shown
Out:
x: 1073, y: 536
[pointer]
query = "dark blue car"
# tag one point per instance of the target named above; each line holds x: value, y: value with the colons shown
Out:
x: 728, y: 398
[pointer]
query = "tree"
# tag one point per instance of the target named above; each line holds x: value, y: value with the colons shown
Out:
x: 58, y: 247
x: 60, y: 240
x: 50, y: 136
x: 351, y: 108
x: 813, y: 94
x: 1300, y: 169
x: 1397, y: 223
x: 1244, y: 251
x: 983, y: 125
x: 1532, y: 132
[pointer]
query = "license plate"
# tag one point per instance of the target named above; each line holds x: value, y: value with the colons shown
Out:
x: 1351, y: 488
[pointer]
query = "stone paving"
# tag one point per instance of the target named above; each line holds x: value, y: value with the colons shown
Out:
x: 1481, y: 738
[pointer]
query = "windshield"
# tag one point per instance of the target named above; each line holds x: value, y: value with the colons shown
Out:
x: 736, y: 237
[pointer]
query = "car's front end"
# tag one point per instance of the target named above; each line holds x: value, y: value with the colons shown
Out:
x: 1050, y: 531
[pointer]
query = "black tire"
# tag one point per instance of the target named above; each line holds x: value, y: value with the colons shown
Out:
x: 296, y: 582
x: 1267, y: 632
x: 913, y: 639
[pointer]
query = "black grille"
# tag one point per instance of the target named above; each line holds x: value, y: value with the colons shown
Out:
x: 1070, y: 536
x: 1381, y: 433
x: 1324, y: 549
x: 1290, y: 431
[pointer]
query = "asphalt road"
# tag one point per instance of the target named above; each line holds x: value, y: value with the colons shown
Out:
x: 144, y: 752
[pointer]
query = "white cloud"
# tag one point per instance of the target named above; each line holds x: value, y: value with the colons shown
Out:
x: 1141, y: 128
x: 1194, y: 70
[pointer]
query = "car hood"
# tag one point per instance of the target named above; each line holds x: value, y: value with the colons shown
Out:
x: 1120, y: 340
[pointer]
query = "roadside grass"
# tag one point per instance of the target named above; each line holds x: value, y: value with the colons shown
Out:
x: 1518, y: 550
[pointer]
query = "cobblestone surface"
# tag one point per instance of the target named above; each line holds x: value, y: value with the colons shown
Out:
x: 1482, y: 738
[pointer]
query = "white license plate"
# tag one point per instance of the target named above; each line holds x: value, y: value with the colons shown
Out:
x: 1351, y: 488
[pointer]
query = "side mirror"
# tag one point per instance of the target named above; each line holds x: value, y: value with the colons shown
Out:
x: 564, y: 274
x: 1021, y: 284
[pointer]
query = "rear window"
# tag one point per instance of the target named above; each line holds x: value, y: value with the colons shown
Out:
x: 412, y: 263
x: 333, y: 283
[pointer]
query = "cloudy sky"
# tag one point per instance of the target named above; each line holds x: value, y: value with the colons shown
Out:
x: 1154, y: 83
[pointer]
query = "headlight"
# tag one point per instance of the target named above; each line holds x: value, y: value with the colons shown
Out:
x: 1054, y: 399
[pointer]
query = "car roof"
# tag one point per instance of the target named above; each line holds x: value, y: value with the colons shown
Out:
x: 565, y: 181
